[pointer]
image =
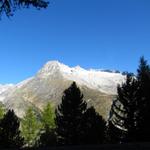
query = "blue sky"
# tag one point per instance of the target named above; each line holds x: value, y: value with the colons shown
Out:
x: 109, y: 34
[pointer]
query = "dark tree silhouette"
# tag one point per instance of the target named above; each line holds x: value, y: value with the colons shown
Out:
x: 114, y: 134
x: 128, y: 98
x: 131, y: 109
x: 124, y: 112
x: 47, y: 138
x: 9, y: 6
x: 93, y: 127
x: 115, y: 128
x: 9, y: 131
x: 143, y: 77
x: 69, y: 116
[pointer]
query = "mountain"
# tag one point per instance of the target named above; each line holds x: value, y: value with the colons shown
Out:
x: 99, y: 88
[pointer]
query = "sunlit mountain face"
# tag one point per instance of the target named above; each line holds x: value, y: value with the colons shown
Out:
x: 98, y: 86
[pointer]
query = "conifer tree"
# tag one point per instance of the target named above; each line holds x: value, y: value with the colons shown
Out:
x: 143, y: 77
x: 124, y: 112
x: 48, y: 134
x: 47, y: 138
x: 30, y: 127
x: 115, y: 131
x: 9, y: 131
x: 69, y: 116
x: 9, y: 6
x: 133, y: 106
x: 93, y: 127
x: 2, y: 111
x: 48, y: 116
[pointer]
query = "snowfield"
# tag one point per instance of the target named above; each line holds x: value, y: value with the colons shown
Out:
x: 103, y: 81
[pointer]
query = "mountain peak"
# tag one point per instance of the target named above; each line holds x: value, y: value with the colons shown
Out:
x: 49, y: 68
x: 54, y: 68
x: 52, y: 63
x: 50, y: 82
x: 103, y: 81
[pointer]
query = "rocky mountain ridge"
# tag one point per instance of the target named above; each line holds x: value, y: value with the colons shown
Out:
x: 99, y: 87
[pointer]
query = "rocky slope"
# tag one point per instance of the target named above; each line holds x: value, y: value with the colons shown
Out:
x: 99, y: 88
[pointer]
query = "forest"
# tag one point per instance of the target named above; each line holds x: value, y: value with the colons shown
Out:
x: 72, y: 122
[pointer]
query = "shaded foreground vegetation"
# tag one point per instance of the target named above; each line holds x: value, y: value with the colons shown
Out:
x: 73, y: 123
x: 9, y: 6
x: 127, y: 146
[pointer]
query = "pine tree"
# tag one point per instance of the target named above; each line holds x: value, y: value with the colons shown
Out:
x: 143, y: 77
x: 124, y: 112
x: 47, y: 138
x: 93, y: 127
x: 30, y: 127
x: 114, y: 134
x: 9, y: 131
x: 9, y: 6
x: 69, y: 116
x: 133, y: 106
x: 115, y: 127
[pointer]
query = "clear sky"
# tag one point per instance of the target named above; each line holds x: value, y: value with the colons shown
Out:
x: 109, y: 34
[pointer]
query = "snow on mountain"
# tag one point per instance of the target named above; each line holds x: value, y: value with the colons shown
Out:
x: 98, y: 87
x: 20, y: 84
x: 3, y: 89
x: 103, y: 81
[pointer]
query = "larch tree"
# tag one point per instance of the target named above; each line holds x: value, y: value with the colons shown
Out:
x: 30, y: 127
x: 2, y: 111
x: 47, y: 134
x: 48, y: 116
